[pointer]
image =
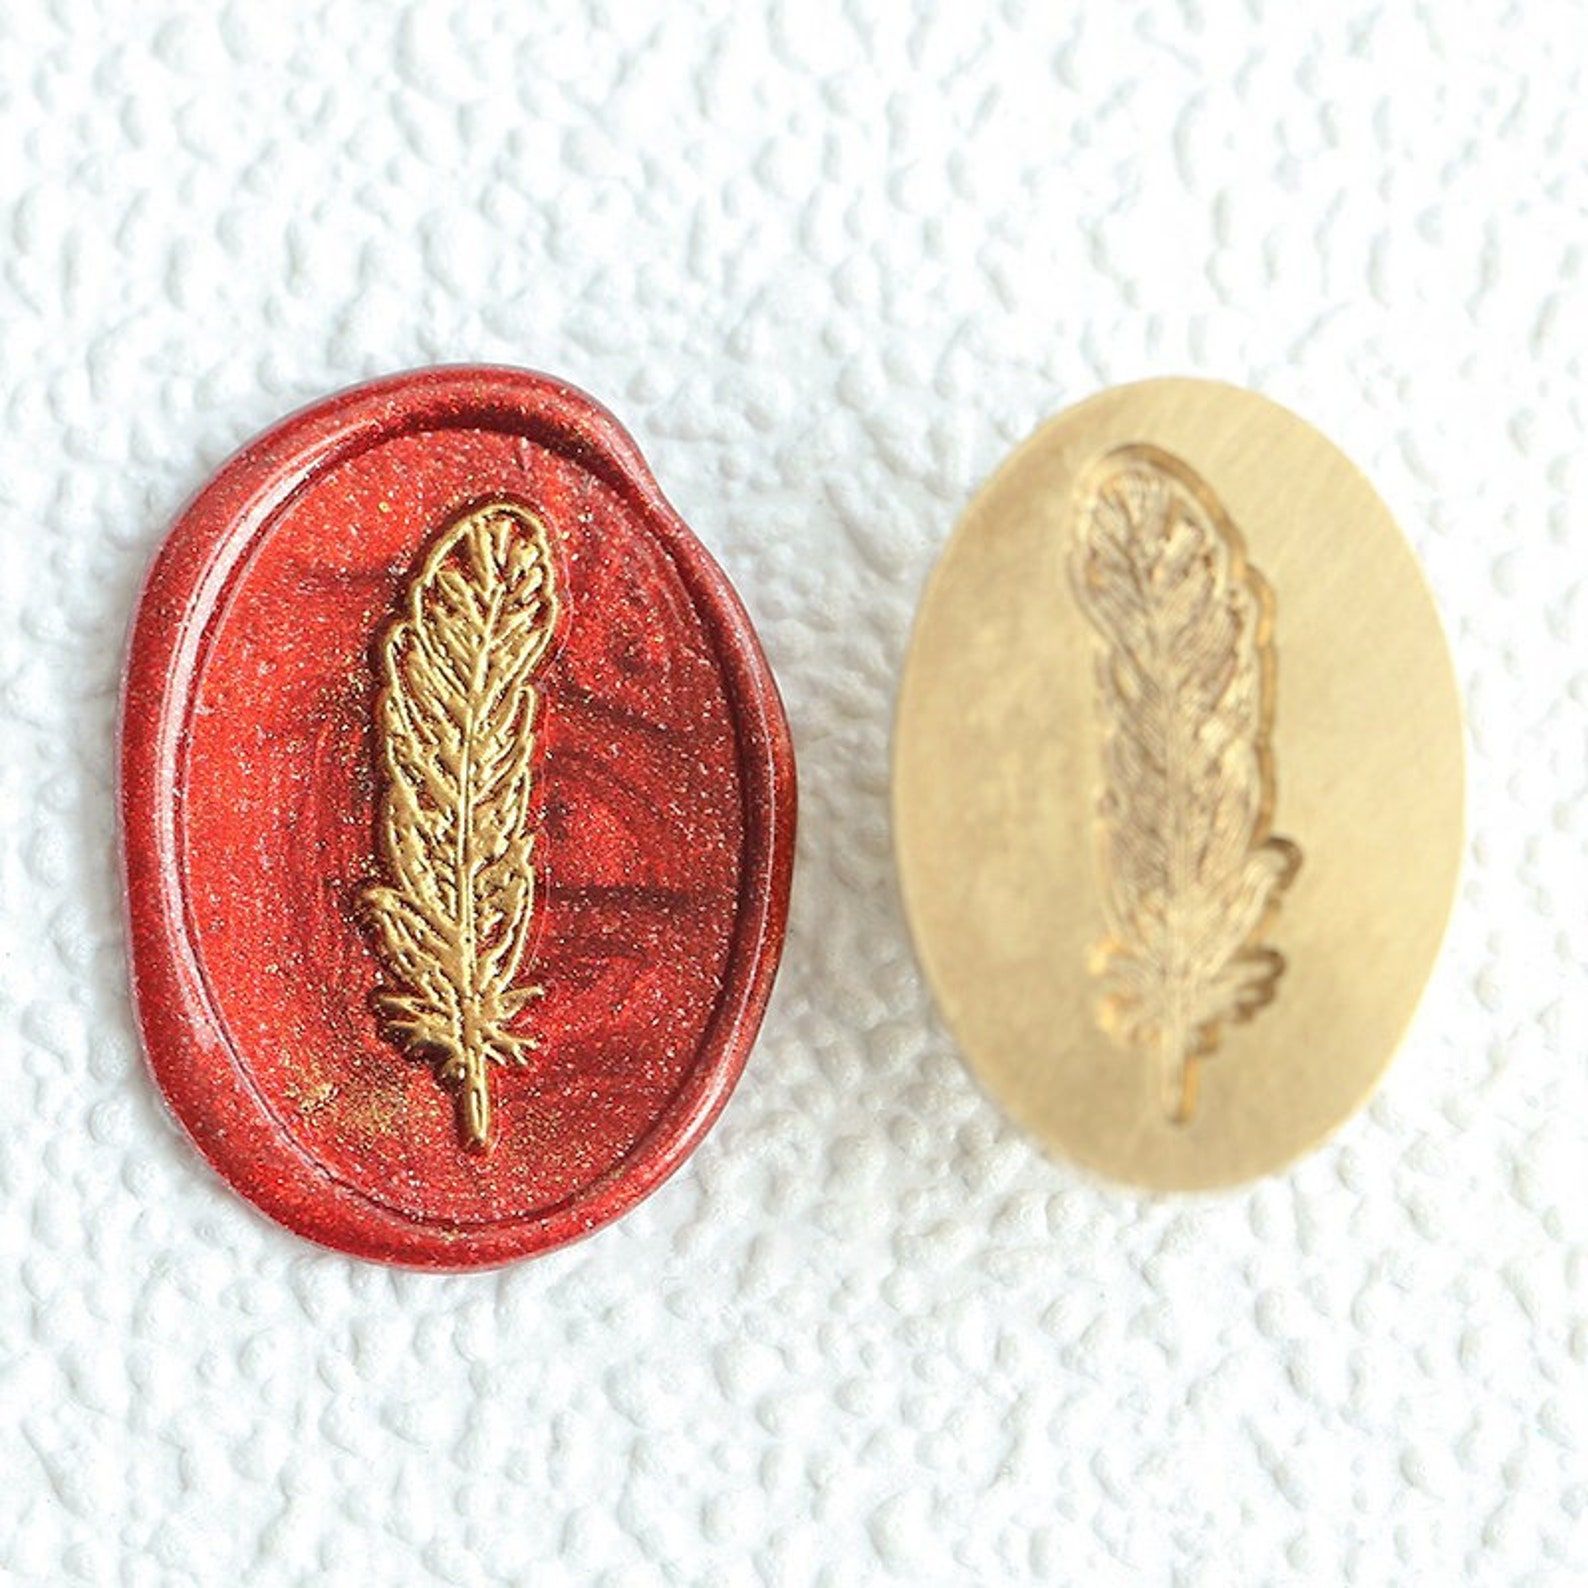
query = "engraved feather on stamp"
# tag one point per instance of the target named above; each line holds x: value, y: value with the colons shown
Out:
x: 455, y: 743
x: 1191, y: 876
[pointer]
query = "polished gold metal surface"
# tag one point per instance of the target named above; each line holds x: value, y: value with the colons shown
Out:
x: 1178, y: 791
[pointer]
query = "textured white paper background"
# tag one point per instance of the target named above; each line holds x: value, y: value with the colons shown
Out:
x: 828, y: 260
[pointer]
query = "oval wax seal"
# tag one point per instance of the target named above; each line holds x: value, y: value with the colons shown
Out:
x: 1178, y: 785
x: 457, y: 812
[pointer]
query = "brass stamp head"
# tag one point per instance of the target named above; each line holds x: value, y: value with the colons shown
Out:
x: 1178, y: 789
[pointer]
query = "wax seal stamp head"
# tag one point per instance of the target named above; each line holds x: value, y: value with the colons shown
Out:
x: 1178, y: 784
x: 458, y: 809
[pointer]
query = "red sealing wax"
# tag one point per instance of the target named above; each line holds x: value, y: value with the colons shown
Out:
x: 458, y: 812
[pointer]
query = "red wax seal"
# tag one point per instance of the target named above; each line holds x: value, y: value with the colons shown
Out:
x: 458, y: 811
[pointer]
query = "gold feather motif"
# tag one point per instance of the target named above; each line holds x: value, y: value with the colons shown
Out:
x: 1191, y: 876
x: 455, y: 726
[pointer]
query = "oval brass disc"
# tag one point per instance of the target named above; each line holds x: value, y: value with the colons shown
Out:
x: 1178, y: 785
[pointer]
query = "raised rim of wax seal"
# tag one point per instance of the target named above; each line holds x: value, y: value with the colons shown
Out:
x: 193, y: 1056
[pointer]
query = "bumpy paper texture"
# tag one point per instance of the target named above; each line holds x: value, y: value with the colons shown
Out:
x: 830, y: 260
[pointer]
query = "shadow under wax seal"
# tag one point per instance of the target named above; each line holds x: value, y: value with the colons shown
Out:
x: 1178, y: 785
x: 458, y: 814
